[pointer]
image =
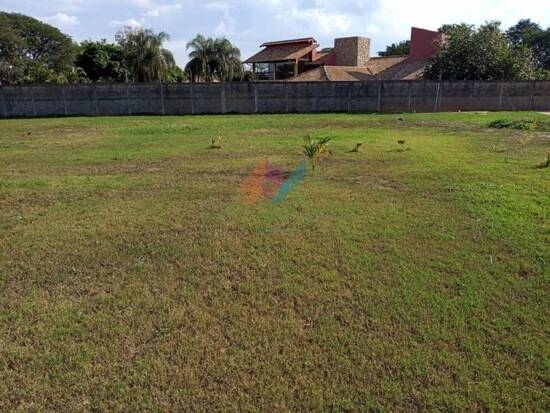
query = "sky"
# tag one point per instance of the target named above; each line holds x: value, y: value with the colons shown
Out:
x: 248, y: 23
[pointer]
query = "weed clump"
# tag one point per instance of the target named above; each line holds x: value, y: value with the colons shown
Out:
x: 402, y: 146
x: 356, y: 148
x: 521, y: 124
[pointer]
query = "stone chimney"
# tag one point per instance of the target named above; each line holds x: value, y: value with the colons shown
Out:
x: 352, y: 51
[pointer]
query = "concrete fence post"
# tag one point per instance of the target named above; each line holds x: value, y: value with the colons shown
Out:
x: 128, y: 98
x: 472, y: 83
x: 532, y: 102
x: 409, y: 98
x: 379, y: 101
x: 96, y: 106
x: 4, y: 111
x: 32, y: 102
x: 223, y: 101
x: 192, y: 97
x: 286, y: 98
x: 314, y: 102
x: 64, y: 100
x: 438, y: 91
x: 441, y: 96
x: 349, y: 96
x: 500, y: 95
x: 162, y: 98
x: 255, y: 98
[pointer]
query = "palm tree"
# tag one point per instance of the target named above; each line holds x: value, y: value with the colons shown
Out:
x: 228, y: 59
x: 200, y: 58
x: 143, y: 54
x: 212, y: 59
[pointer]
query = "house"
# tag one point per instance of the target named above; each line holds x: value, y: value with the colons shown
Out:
x: 348, y: 60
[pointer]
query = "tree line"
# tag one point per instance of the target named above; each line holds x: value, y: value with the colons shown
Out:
x: 35, y: 52
x: 522, y: 52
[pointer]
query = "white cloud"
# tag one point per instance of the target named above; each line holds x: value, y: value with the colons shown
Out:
x: 398, y: 16
x: 221, y: 29
x: 163, y: 9
x: 130, y: 23
x: 372, y: 29
x: 215, y: 5
x: 62, y: 19
x: 319, y: 20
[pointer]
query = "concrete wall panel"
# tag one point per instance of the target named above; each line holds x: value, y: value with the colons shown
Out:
x: 271, y: 97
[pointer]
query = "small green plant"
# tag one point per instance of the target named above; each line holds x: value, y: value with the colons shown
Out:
x: 316, y: 149
x: 216, y: 143
x: 401, y: 142
x: 357, y: 147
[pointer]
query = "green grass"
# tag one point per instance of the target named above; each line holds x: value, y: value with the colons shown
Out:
x: 133, y: 276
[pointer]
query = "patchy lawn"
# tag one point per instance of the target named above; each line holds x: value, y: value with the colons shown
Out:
x: 404, y: 277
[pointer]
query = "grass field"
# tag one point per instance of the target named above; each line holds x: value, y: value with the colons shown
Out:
x: 134, y: 277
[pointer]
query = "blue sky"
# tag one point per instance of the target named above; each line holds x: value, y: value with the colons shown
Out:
x: 248, y: 23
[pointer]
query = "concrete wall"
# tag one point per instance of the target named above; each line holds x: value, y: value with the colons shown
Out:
x: 271, y: 97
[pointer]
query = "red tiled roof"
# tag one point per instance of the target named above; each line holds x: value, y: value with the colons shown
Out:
x: 377, y: 68
x: 282, y: 54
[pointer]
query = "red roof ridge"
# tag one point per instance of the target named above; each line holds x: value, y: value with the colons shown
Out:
x: 290, y: 41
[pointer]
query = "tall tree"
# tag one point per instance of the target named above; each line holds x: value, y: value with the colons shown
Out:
x: 523, y: 32
x: 143, y: 54
x: 479, y: 54
x: 28, y: 46
x: 530, y: 34
x: 228, y: 59
x: 397, y: 49
x: 213, y: 59
x: 101, y: 61
x: 200, y: 58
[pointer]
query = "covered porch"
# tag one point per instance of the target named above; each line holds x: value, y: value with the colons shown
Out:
x: 283, y: 60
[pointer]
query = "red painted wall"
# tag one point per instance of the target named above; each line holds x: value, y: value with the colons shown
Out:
x: 328, y: 60
x: 423, y: 43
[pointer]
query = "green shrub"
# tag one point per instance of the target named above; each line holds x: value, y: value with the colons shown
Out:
x: 520, y: 124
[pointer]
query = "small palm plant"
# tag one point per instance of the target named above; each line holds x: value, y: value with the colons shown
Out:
x: 316, y: 149
x: 216, y: 143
